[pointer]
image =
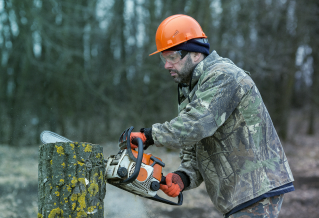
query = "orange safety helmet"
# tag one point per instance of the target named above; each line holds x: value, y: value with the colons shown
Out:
x: 175, y: 30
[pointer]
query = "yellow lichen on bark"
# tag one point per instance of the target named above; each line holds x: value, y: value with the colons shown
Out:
x: 72, y: 145
x: 91, y: 209
x: 68, y: 188
x: 74, y: 186
x: 94, y: 188
x: 82, y: 180
x: 88, y: 148
x: 81, y: 200
x: 101, y: 176
x: 74, y: 197
x: 81, y: 214
x: 73, y: 206
x: 99, y: 155
x: 55, y: 212
x: 80, y: 163
x: 74, y: 181
x: 60, y: 150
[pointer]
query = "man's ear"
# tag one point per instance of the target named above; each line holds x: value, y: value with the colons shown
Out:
x: 197, y: 57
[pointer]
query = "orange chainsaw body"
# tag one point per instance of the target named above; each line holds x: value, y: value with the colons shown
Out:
x: 157, y: 173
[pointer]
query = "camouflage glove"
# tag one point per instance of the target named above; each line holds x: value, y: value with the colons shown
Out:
x: 174, y: 185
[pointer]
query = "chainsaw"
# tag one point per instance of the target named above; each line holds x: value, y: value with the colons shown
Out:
x: 130, y: 170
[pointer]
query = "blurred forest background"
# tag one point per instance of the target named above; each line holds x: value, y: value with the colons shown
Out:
x: 82, y: 68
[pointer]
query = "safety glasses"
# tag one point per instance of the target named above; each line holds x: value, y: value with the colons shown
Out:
x: 172, y: 57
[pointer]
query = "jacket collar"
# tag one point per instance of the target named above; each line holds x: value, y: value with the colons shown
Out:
x: 202, y: 66
x: 198, y: 71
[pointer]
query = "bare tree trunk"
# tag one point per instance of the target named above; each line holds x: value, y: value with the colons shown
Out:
x: 71, y: 180
x: 314, y: 100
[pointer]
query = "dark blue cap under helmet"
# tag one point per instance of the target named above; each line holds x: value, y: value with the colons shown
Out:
x: 194, y: 45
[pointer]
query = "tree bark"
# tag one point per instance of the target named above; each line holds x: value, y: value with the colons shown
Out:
x: 71, y: 180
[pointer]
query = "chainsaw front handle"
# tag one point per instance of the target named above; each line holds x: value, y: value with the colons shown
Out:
x: 139, y: 158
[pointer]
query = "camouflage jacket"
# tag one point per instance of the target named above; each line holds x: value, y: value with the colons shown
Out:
x: 226, y: 136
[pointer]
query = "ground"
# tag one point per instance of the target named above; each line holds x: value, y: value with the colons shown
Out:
x: 18, y: 183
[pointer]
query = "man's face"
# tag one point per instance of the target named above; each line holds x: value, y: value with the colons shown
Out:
x: 182, y: 70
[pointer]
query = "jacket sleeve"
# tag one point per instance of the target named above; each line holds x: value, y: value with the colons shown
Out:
x: 189, y: 167
x: 213, y: 102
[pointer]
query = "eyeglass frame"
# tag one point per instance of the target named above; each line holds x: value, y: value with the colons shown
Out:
x: 182, y: 53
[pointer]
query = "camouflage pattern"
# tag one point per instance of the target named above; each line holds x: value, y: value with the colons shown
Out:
x: 266, y: 208
x: 226, y: 136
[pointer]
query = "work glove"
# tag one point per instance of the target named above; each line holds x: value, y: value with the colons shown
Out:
x: 135, y: 135
x: 145, y: 134
x: 174, y: 185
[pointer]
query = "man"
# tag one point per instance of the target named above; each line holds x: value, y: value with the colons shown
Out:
x: 224, y: 131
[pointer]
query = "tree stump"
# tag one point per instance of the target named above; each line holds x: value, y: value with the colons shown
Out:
x: 71, y: 180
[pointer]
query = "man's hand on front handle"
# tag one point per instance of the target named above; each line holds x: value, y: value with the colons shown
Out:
x: 135, y: 135
x: 174, y: 185
x: 145, y: 135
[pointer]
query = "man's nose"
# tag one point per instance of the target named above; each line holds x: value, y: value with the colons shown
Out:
x: 168, y: 65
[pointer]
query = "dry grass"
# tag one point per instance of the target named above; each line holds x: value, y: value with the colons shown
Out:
x: 18, y: 182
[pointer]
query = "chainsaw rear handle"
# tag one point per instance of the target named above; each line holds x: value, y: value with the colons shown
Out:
x: 139, y: 158
x: 163, y: 200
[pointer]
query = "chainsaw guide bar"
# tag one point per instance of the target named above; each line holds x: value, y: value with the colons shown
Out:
x: 52, y: 137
